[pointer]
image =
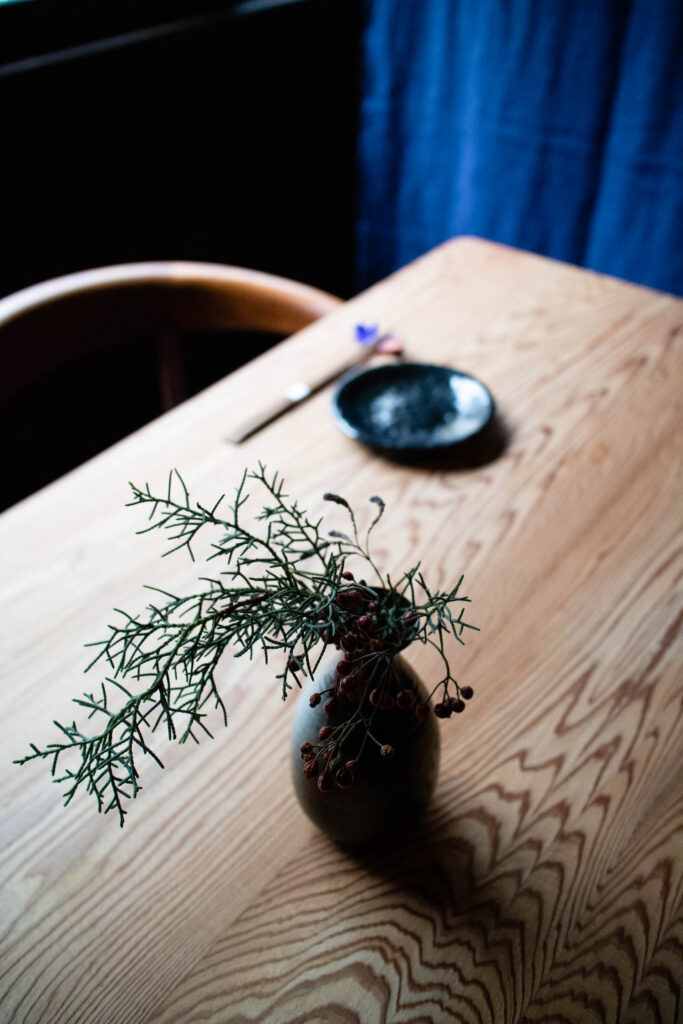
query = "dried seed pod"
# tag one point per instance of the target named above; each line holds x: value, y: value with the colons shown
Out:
x: 314, y: 699
x: 386, y: 750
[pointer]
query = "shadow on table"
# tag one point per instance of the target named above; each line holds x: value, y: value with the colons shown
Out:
x: 429, y: 863
x: 464, y: 912
x: 485, y: 447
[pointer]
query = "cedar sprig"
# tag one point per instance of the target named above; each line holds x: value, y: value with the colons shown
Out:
x: 278, y: 589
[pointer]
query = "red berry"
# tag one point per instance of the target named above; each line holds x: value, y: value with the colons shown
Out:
x: 351, y: 764
x: 421, y: 710
x: 467, y: 692
x: 347, y: 684
x: 349, y: 642
x: 325, y: 783
x: 347, y: 575
x: 351, y: 689
x: 456, y: 705
x: 331, y: 706
x: 381, y: 700
x: 306, y: 749
x: 373, y: 606
x: 344, y: 667
x: 344, y: 778
x: 293, y: 665
x: 442, y: 710
x: 325, y: 731
x: 365, y: 623
x: 405, y: 700
x: 311, y: 769
x: 314, y: 699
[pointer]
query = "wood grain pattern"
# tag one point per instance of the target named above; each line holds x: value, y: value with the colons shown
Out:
x: 546, y: 883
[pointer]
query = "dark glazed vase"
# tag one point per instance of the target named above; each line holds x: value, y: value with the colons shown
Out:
x: 388, y: 795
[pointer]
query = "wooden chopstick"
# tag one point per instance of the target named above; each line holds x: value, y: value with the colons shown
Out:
x: 298, y: 392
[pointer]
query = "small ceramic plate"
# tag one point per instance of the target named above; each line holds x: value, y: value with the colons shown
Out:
x: 403, y: 407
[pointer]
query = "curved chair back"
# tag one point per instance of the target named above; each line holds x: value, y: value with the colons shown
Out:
x: 53, y: 322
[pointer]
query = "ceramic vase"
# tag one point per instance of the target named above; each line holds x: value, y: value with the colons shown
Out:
x: 387, y: 794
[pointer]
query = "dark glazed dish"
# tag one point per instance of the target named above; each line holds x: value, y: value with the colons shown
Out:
x: 407, y: 407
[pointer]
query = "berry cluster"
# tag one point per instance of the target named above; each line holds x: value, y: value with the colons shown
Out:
x: 454, y: 704
x: 283, y: 586
x: 368, y: 628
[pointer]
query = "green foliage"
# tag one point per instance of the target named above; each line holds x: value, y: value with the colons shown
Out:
x: 277, y: 588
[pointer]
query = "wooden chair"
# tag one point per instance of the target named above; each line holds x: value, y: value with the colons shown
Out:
x: 59, y: 320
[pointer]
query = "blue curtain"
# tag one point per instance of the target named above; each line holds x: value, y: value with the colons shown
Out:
x: 551, y: 125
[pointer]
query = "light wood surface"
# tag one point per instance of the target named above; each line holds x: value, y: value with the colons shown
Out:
x: 546, y: 882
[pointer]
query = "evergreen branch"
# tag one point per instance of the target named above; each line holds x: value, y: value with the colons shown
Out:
x: 162, y: 663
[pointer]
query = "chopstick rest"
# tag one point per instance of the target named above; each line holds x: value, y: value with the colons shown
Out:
x: 299, y: 391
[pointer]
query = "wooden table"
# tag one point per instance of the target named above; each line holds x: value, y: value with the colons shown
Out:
x: 546, y: 882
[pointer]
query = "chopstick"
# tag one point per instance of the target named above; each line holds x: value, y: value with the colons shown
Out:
x: 298, y: 391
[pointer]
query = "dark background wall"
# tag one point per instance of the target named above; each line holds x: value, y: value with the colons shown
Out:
x: 167, y: 131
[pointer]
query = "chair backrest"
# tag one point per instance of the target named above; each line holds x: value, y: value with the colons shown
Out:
x: 50, y: 323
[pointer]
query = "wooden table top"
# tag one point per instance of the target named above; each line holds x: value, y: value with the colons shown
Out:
x: 546, y: 881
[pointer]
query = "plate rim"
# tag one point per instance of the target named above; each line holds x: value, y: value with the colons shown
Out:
x: 357, y: 434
